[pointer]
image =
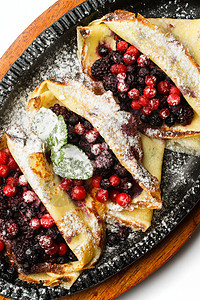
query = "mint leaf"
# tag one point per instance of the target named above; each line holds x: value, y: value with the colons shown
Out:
x: 71, y: 162
x: 50, y: 128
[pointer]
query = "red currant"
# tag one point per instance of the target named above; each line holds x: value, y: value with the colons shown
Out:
x: 7, y: 151
x: 12, y: 163
x: 77, y: 182
x: 163, y: 87
x: 66, y: 184
x: 45, y: 241
x: 173, y: 99
x: 164, y: 113
x: 114, y: 194
x: 35, y: 223
x: 22, y: 180
x: 12, y: 228
x: 102, y: 195
x: 146, y: 110
x: 4, y: 170
x: 78, y: 193
x: 114, y: 180
x: 154, y: 104
x: 29, y: 196
x: 1, y: 245
x: 150, y: 80
x: 121, y: 68
x: 96, y: 149
x: 3, y: 157
x: 62, y: 249
x: 149, y: 92
x: 113, y: 69
x: 132, y: 50
x: 121, y: 77
x: 53, y: 250
x: 12, y: 180
x: 129, y: 59
x: 134, y: 94
x: 10, y: 190
x: 122, y: 87
x: 47, y: 221
x: 135, y: 105
x: 174, y: 90
x: 96, y: 181
x: 123, y: 199
x: 79, y: 129
x: 143, y: 60
x: 91, y: 136
x: 122, y: 46
x: 144, y: 101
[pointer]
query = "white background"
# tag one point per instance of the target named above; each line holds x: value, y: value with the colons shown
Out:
x: 178, y: 278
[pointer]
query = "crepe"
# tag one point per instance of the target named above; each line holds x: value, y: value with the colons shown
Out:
x: 163, y: 49
x: 81, y: 227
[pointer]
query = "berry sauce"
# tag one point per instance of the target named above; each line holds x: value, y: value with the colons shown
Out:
x: 141, y: 86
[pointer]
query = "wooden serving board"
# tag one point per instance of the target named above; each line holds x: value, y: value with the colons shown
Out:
x: 124, y: 280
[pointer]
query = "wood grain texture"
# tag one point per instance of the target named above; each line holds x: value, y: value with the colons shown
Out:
x: 150, y: 262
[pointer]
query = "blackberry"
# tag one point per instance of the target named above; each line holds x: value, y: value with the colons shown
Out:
x: 171, y: 120
x: 100, y: 68
x: 185, y: 115
x: 104, y: 161
x: 123, y: 97
x: 120, y: 170
x: 73, y: 119
x: 143, y: 72
x: 154, y: 119
x: 105, y: 183
x: 110, y: 83
x: 131, y: 68
x: 131, y: 80
x: 103, y: 51
x: 144, y: 118
x: 115, y: 57
x: 160, y: 75
x: 141, y: 80
x: 87, y: 125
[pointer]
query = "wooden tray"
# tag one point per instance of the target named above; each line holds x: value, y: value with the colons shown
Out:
x: 124, y: 280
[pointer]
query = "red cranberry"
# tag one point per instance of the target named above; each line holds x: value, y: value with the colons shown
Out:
x: 12, y: 163
x: 114, y: 180
x: 122, y: 46
x: 154, y: 104
x: 102, y: 195
x: 163, y: 87
x: 113, y: 69
x: 53, y: 250
x: 3, y: 157
x: 122, y: 87
x: 66, y: 184
x: 149, y: 92
x: 174, y: 90
x: 4, y: 170
x: 135, y: 105
x: 29, y: 196
x: 1, y: 245
x: 96, y: 181
x: 150, y: 80
x: 12, y: 228
x: 146, y: 110
x: 12, y: 180
x: 134, y: 94
x: 10, y: 190
x: 22, y: 180
x: 121, y: 77
x: 79, y: 129
x: 91, y: 136
x: 77, y: 182
x: 47, y: 221
x: 173, y: 99
x: 123, y: 199
x: 132, y: 50
x: 164, y: 113
x: 144, y: 101
x: 114, y: 194
x: 96, y: 149
x: 35, y: 223
x: 78, y: 193
x: 62, y: 249
x: 143, y: 60
x: 45, y: 241
x: 129, y: 59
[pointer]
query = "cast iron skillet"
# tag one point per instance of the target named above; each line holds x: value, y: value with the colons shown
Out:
x: 53, y: 53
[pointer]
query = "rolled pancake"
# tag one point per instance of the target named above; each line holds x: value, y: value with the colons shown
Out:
x: 81, y: 227
x: 98, y: 109
x: 162, y: 49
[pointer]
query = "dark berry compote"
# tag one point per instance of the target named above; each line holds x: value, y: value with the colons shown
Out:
x: 110, y: 178
x: 27, y: 231
x: 141, y: 87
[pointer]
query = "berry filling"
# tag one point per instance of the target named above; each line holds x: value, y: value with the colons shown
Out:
x: 141, y: 86
x: 27, y: 231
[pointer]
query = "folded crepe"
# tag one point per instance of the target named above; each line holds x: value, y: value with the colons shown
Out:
x: 104, y: 114
x: 160, y: 46
x: 81, y: 227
